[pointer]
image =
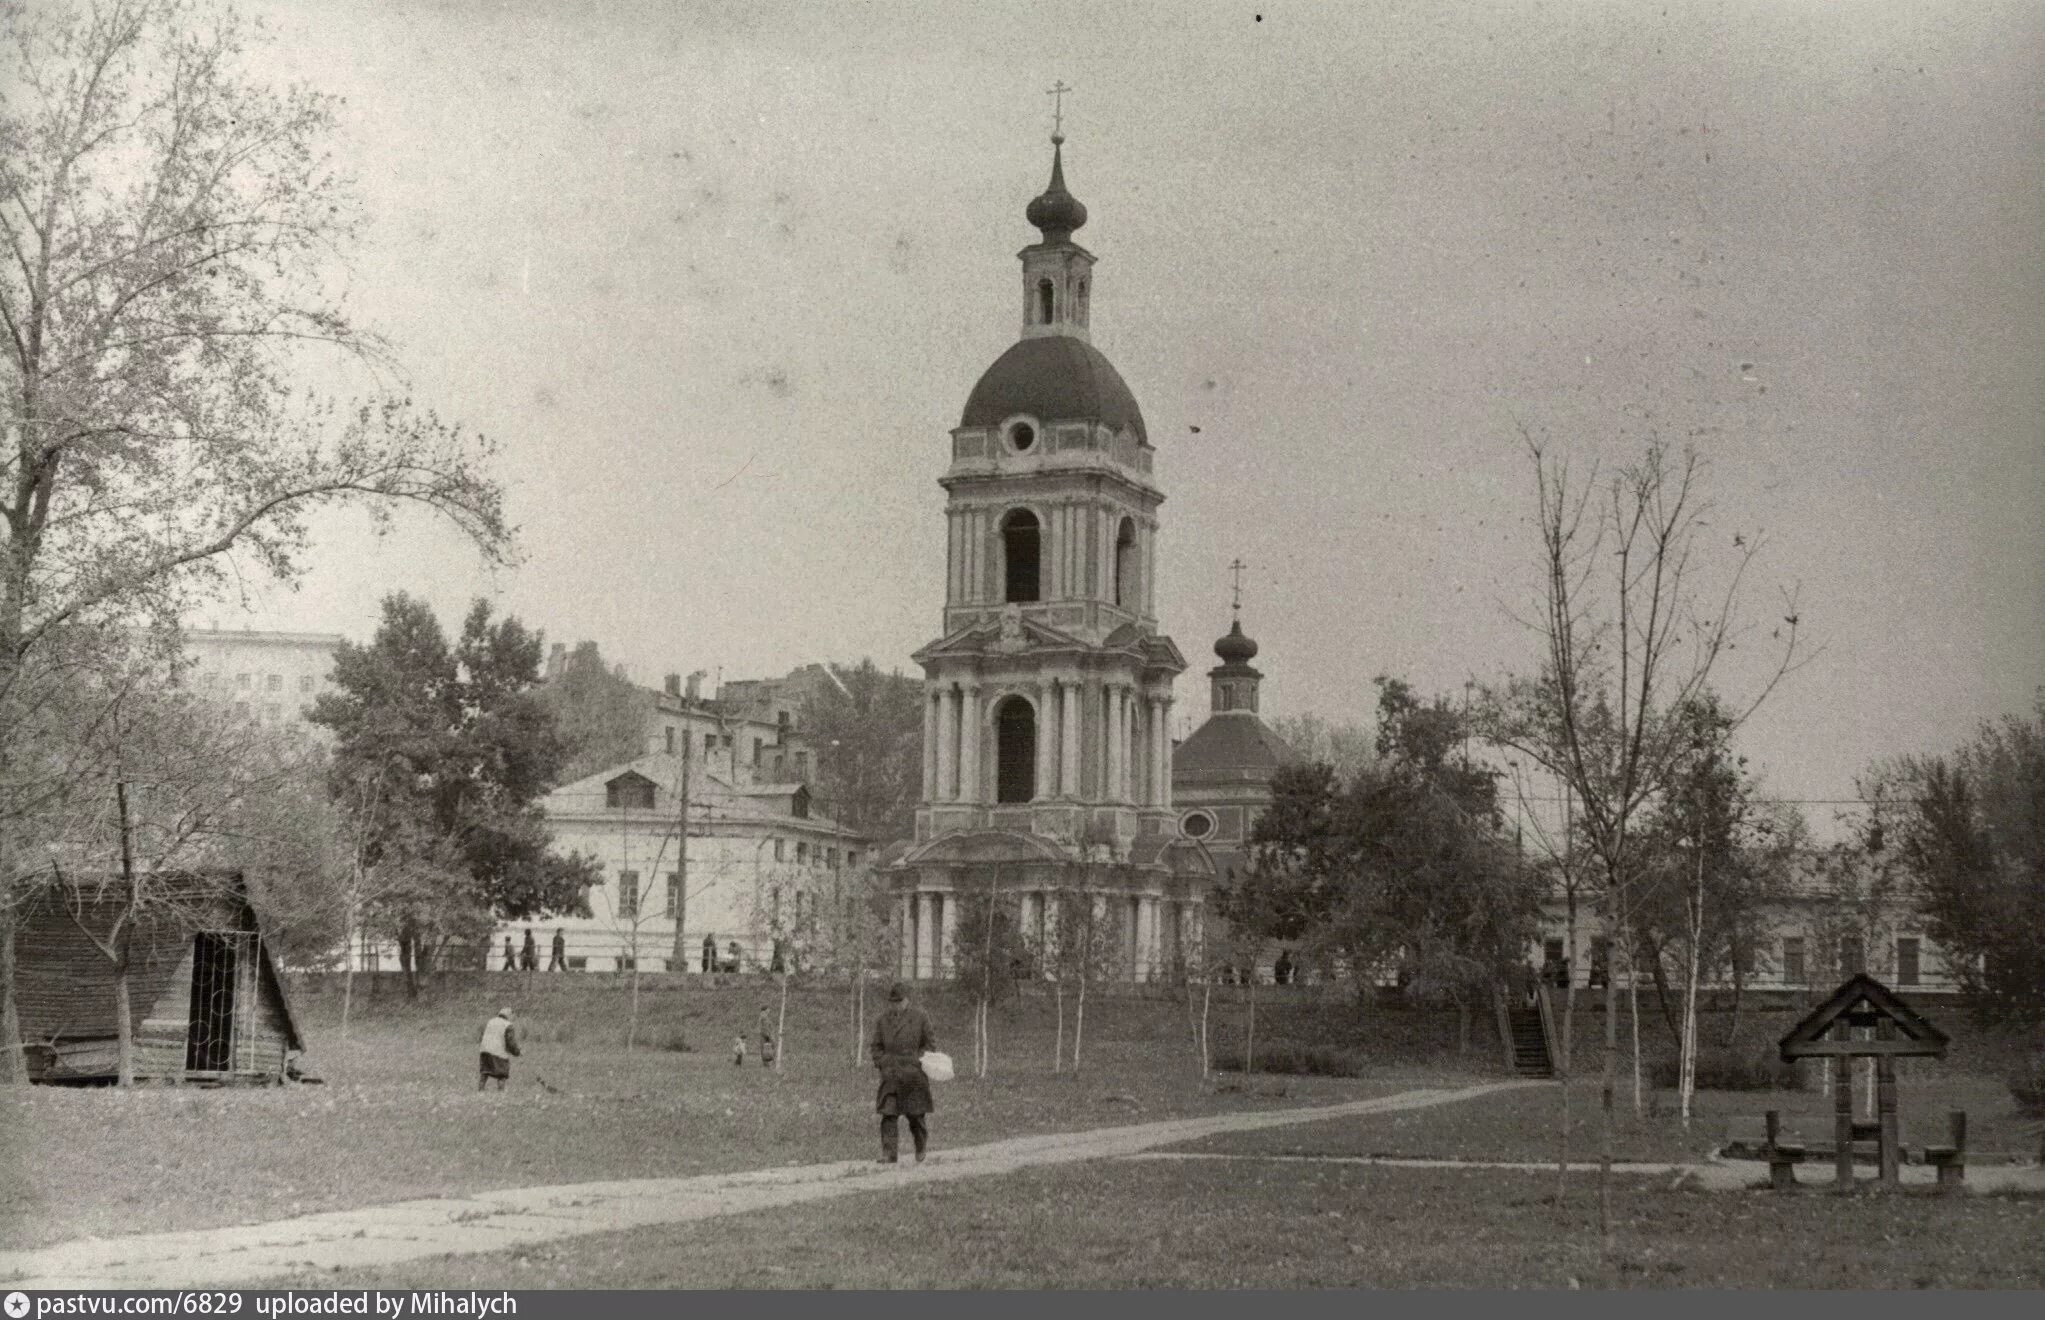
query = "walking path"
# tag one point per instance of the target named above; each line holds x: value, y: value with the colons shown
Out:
x: 492, y: 1221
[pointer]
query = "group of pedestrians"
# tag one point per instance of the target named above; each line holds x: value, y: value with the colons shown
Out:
x: 900, y: 1038
x: 527, y: 959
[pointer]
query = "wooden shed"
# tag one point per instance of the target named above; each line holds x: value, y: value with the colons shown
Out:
x: 206, y: 999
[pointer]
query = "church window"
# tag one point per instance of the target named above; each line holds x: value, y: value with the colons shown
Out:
x: 1196, y: 825
x: 1015, y: 751
x: 1046, y: 298
x: 1082, y: 301
x: 1020, y: 543
x: 1125, y: 565
x: 628, y: 894
x: 1021, y: 436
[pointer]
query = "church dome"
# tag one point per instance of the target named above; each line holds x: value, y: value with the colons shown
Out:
x: 1055, y: 211
x: 1055, y: 378
x: 1236, y: 648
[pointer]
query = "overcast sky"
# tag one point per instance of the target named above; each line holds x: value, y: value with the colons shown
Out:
x: 720, y: 277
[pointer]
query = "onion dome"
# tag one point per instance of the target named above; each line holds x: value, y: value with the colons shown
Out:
x: 1236, y: 649
x: 1056, y: 211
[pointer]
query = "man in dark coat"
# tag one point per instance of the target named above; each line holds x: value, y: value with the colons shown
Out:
x: 901, y: 1036
x: 559, y: 962
x: 529, y: 956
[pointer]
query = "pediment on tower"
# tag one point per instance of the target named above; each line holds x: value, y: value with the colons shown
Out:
x: 1013, y: 634
x: 1157, y: 650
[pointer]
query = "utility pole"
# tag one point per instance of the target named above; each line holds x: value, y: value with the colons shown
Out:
x: 679, y: 955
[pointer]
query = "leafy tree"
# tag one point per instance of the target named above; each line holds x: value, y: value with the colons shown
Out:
x: 869, y: 745
x: 1976, y: 841
x: 601, y: 713
x: 447, y: 751
x: 1629, y: 633
x: 987, y: 953
x: 1341, y: 744
x: 171, y: 232
x: 1401, y: 866
x: 1716, y: 864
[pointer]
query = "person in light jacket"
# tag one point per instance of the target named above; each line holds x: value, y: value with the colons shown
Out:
x: 901, y: 1036
x: 499, y: 1048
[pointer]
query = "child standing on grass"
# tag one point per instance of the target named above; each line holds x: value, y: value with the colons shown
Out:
x: 738, y: 1050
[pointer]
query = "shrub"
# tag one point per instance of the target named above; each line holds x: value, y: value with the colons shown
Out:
x: 2027, y: 1084
x: 1292, y: 1060
x: 1733, y: 1070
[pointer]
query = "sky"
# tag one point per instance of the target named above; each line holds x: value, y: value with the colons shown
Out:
x: 718, y: 279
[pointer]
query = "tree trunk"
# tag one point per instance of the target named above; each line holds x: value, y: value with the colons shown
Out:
x: 1058, y: 1041
x: 1686, y: 1080
x: 781, y: 1020
x: 1250, y: 1027
x: 124, y: 947
x: 1206, y: 997
x: 408, y: 957
x: 1608, y: 1095
x: 1562, y: 1075
x: 1732, y: 1031
x: 1633, y: 1021
x: 632, y: 1014
x: 1661, y: 992
x: 1462, y: 1024
x: 13, y: 1062
x: 1078, y: 1023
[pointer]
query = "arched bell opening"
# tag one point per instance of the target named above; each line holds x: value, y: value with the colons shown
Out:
x: 1015, y: 751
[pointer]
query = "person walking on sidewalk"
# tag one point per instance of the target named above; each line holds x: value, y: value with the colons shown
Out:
x: 901, y: 1036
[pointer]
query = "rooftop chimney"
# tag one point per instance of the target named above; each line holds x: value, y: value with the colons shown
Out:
x: 696, y: 686
x: 673, y: 685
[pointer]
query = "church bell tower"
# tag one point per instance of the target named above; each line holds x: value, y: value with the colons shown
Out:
x: 1047, y: 697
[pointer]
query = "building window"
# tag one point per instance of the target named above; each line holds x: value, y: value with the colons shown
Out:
x: 1015, y: 750
x: 774, y: 915
x: 626, y: 962
x: 629, y: 791
x: 1080, y: 313
x: 1020, y: 545
x: 274, y: 683
x: 1793, y: 960
x: 779, y: 855
x: 1021, y: 436
x: 1852, y: 954
x: 272, y: 712
x: 1908, y: 953
x: 1047, y: 301
x: 757, y: 744
x: 674, y: 892
x: 1125, y: 565
x: 1196, y: 825
x: 305, y: 682
x: 831, y: 858
x: 242, y: 681
x: 670, y: 732
x: 852, y: 857
x: 628, y: 894
x: 241, y: 708
x: 801, y: 854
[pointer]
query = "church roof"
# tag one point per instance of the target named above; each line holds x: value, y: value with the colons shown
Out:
x: 1054, y: 378
x: 1234, y: 741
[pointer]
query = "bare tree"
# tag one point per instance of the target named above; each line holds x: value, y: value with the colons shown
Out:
x: 171, y: 229
x: 1630, y: 634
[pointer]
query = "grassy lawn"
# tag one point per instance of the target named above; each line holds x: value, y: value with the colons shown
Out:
x: 400, y: 1118
x: 1250, y: 1224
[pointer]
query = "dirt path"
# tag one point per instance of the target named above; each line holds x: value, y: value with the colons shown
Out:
x: 492, y: 1221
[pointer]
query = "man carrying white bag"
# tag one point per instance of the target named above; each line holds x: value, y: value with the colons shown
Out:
x: 902, y: 1048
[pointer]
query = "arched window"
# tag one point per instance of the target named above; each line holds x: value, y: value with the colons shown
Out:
x: 1125, y: 565
x: 1080, y: 306
x: 1020, y: 543
x: 1046, y: 298
x: 1015, y: 751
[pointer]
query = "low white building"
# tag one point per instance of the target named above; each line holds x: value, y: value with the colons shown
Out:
x: 760, y: 867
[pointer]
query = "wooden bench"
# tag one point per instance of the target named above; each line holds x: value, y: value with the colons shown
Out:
x: 1766, y: 1139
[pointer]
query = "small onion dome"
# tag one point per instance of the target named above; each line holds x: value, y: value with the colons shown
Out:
x: 1056, y: 211
x: 1236, y: 649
